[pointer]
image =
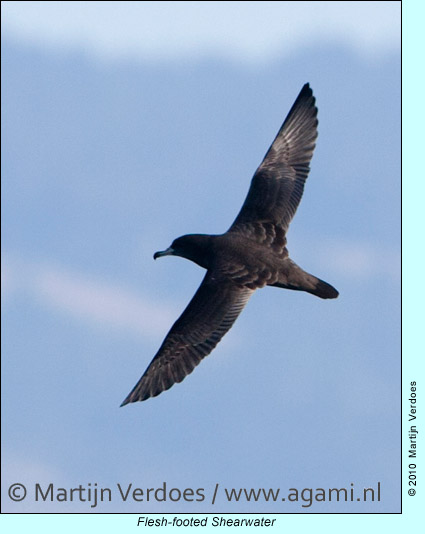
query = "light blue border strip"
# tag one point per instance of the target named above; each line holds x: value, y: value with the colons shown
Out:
x: 413, y: 302
x: 329, y: 523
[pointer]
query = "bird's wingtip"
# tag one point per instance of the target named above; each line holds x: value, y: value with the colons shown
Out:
x: 306, y: 89
x: 125, y: 402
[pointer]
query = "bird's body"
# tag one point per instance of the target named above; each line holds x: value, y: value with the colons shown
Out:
x: 249, y: 256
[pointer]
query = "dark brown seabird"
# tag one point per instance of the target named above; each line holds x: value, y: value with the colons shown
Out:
x: 250, y: 255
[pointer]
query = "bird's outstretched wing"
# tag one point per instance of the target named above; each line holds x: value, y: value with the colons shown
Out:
x: 208, y: 316
x: 278, y: 183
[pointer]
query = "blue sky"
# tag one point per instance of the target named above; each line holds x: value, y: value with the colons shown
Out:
x: 118, y: 142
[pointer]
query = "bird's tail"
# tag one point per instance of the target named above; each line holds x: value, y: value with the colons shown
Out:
x: 323, y: 290
x: 300, y: 280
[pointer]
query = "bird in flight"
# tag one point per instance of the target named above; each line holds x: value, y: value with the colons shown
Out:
x: 250, y: 255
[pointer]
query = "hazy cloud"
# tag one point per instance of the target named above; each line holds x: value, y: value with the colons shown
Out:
x: 164, y: 30
x: 360, y: 260
x: 86, y: 297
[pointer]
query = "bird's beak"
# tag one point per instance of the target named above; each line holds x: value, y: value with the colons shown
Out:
x: 168, y: 252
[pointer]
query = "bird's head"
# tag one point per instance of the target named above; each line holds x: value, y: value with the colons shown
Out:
x: 193, y: 247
